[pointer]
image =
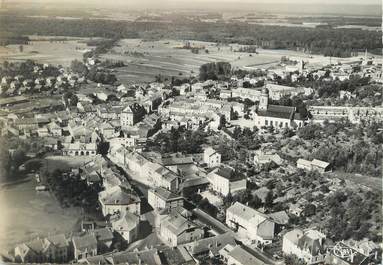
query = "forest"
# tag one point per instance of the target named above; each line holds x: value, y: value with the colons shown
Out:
x: 326, y: 41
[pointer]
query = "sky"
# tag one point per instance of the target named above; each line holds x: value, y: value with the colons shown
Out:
x: 181, y: 2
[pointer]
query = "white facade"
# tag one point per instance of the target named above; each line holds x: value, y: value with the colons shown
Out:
x: 300, y: 243
x: 211, y: 157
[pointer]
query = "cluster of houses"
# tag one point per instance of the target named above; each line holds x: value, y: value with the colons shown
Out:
x: 19, y: 85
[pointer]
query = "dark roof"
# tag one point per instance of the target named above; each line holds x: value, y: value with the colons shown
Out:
x: 276, y: 111
x: 229, y: 174
x: 176, y: 256
x: 103, y: 234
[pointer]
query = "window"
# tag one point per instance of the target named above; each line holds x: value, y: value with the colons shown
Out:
x: 266, y: 122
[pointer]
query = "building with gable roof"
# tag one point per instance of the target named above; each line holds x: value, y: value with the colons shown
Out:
x: 84, y: 246
x: 225, y: 180
x: 118, y: 200
x: 237, y: 255
x: 132, y: 114
x: 275, y: 115
x: 211, y: 157
x: 160, y: 198
x: 175, y: 229
x: 250, y: 223
x: 50, y: 249
x: 128, y: 226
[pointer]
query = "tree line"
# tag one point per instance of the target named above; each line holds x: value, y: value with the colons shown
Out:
x: 327, y: 41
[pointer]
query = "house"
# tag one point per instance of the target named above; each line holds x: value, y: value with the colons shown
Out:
x: 275, y: 115
x: 143, y: 257
x: 132, y: 115
x: 104, y: 237
x: 118, y: 200
x: 80, y: 149
x: 276, y: 92
x: 84, y: 246
x: 50, y: 249
x: 159, y: 199
x: 163, y: 177
x: 238, y: 255
x: 315, y: 164
x: 225, y: 180
x: 307, y: 245
x: 350, y: 253
x: 128, y: 226
x: 211, y: 157
x: 210, y: 246
x: 42, y: 132
x: 27, y: 124
x: 262, y: 158
x: 176, y: 229
x: 250, y: 223
x: 54, y: 129
x: 177, y: 256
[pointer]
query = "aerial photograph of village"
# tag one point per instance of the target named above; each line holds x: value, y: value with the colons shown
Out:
x: 191, y: 132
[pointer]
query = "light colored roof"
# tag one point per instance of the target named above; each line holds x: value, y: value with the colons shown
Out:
x: 117, y: 196
x: 177, y: 224
x: 280, y: 217
x: 103, y: 234
x: 244, y: 257
x: 127, y: 222
x: 213, y: 244
x: 165, y: 194
x: 293, y: 236
x: 85, y: 241
x: 58, y: 240
x: 304, y: 162
x: 247, y: 213
x: 209, y: 151
x: 320, y: 163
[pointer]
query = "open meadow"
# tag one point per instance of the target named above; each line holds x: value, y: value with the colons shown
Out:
x: 50, y: 50
x: 20, y: 202
x: 146, y: 59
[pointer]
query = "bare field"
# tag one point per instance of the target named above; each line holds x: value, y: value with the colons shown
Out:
x: 146, y: 59
x: 46, y: 51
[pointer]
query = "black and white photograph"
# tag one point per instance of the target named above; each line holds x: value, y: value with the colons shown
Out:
x: 191, y: 132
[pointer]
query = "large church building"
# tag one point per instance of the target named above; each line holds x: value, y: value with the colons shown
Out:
x: 275, y: 115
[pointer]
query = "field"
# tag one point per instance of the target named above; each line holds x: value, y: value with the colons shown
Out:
x: 146, y: 59
x: 44, y: 50
x: 26, y: 213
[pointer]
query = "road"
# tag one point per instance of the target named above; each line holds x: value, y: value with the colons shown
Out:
x: 220, y: 228
x: 211, y: 222
x: 261, y: 256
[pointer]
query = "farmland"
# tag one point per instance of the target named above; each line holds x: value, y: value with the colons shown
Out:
x: 46, y: 50
x: 146, y: 59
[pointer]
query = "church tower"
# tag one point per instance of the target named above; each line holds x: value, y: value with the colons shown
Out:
x: 264, y: 99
